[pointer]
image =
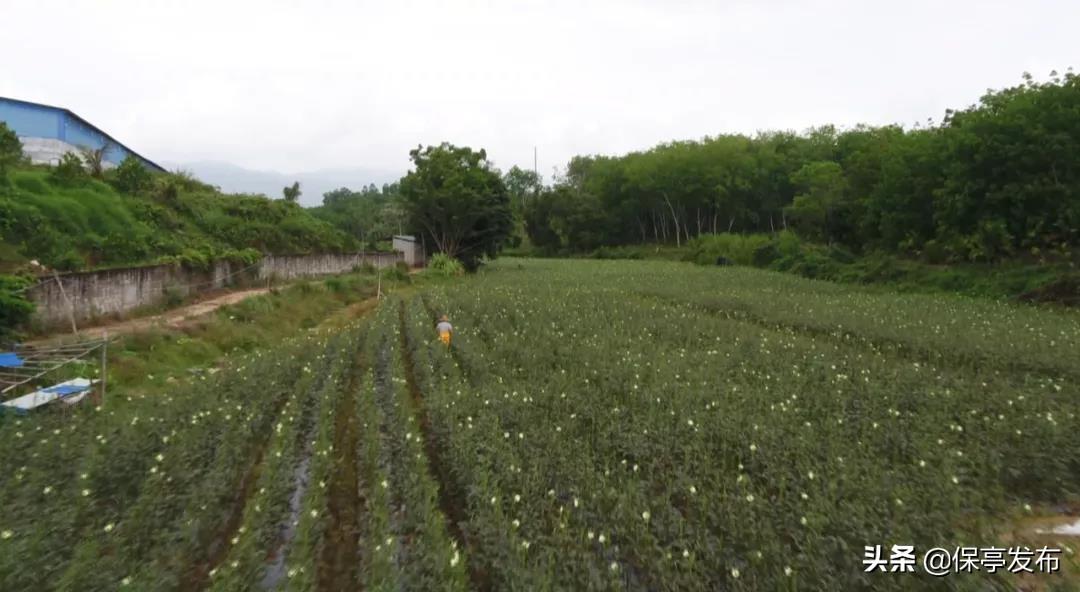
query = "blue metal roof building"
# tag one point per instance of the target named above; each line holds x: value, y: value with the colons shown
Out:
x: 48, y: 132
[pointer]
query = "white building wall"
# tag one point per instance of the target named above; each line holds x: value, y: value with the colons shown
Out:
x: 50, y: 151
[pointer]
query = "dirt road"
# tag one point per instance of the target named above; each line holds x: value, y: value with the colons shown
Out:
x: 172, y: 318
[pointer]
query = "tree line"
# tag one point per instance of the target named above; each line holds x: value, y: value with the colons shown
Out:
x: 998, y: 179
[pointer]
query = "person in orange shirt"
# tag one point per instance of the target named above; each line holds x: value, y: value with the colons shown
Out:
x: 445, y: 329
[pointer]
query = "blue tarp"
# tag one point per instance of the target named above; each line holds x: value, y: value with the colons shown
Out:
x: 65, y: 389
x: 10, y: 360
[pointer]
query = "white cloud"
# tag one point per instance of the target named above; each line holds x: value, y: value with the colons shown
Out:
x: 295, y: 86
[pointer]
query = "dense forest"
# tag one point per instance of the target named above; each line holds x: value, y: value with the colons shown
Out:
x: 997, y: 180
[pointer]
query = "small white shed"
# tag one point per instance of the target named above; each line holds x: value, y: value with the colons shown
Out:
x: 411, y: 248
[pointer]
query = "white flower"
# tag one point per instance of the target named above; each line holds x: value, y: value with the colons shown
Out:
x: 126, y: 581
x: 810, y: 475
x: 517, y: 497
x: 614, y: 566
x: 787, y: 570
x: 314, y: 513
x: 7, y: 534
x: 753, y: 448
x: 693, y: 489
x: 750, y: 497
x: 685, y: 553
x: 109, y: 527
x: 525, y: 544
x: 516, y: 523
x: 454, y: 560
x: 47, y: 490
x: 645, y: 515
x: 590, y: 535
x: 802, y: 520
x: 735, y: 572
x: 601, y: 538
x: 85, y: 492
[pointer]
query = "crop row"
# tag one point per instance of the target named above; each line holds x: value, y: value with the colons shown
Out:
x: 96, y: 493
x: 713, y: 451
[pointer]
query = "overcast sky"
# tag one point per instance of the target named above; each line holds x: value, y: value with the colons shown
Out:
x: 307, y: 85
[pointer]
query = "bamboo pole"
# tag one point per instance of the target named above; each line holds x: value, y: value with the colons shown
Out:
x: 104, y: 365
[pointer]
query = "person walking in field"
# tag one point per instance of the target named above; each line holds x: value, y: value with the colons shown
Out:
x: 445, y: 329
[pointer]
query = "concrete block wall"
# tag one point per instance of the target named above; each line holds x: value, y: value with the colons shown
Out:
x: 114, y: 292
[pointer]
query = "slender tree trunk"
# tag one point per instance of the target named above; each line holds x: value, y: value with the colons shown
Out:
x: 714, y: 217
x: 675, y: 219
x: 698, y: 210
x: 783, y: 218
x: 772, y: 229
x: 731, y: 222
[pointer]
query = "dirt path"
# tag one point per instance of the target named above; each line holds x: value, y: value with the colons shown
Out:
x: 172, y: 318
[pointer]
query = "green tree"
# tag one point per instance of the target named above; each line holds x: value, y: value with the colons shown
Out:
x: 815, y: 209
x: 131, y: 176
x: 94, y: 159
x: 458, y: 201
x: 10, y: 150
x: 521, y: 185
x: 292, y: 192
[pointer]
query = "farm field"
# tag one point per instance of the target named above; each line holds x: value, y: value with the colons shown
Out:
x: 596, y: 425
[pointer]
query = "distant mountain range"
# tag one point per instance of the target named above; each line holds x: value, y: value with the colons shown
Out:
x: 236, y: 179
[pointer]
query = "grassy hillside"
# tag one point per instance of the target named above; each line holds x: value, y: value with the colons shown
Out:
x: 86, y: 223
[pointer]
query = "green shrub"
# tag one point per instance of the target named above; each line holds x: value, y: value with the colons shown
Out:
x: 766, y: 254
x: 15, y: 307
x: 131, y: 176
x: 397, y: 272
x: 10, y: 150
x: 69, y: 171
x: 788, y: 243
x: 934, y: 252
x: 445, y: 265
x: 738, y: 248
x: 174, y: 295
x: 838, y: 253
x: 337, y: 285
